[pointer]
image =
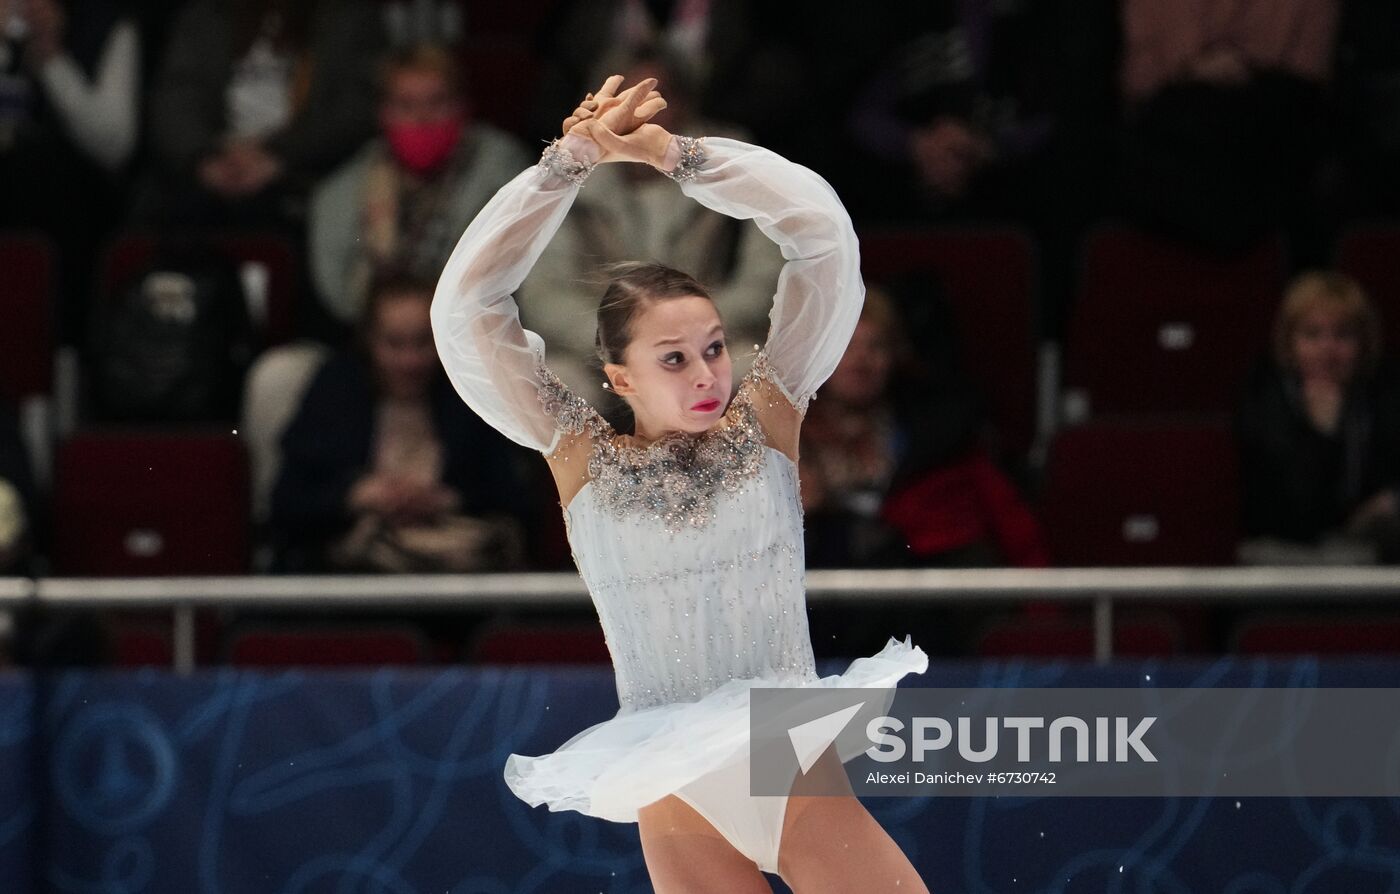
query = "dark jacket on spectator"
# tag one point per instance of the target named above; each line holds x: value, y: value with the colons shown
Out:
x: 1299, y: 483
x: 329, y: 444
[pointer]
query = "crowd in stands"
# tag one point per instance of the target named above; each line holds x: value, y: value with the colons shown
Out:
x: 266, y: 190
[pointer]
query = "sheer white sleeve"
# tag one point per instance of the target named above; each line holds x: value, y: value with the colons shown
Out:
x: 820, y: 291
x: 497, y: 365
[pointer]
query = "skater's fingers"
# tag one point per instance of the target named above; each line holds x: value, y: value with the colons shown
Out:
x: 639, y: 91
x: 650, y: 107
x: 606, y: 139
x: 609, y: 88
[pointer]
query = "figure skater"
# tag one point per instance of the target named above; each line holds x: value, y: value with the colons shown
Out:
x: 687, y: 530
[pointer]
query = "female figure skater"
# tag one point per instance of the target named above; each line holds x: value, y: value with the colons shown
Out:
x: 688, y: 530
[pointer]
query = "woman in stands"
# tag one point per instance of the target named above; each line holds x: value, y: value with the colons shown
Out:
x: 1319, y: 433
x: 688, y: 528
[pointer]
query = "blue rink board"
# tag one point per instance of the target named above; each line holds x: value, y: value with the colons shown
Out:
x: 390, y: 782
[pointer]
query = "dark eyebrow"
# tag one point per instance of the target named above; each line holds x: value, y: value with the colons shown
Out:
x: 671, y: 341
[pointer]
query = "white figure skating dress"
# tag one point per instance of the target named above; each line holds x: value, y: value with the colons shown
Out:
x: 691, y: 547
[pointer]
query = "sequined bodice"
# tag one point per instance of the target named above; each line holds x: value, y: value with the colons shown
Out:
x: 686, y: 610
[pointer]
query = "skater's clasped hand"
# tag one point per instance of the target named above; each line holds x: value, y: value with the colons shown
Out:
x: 619, y: 123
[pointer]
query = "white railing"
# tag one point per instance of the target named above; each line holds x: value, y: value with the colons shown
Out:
x: 1101, y: 587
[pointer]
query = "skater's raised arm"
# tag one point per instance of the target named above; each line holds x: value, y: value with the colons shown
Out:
x: 820, y: 291
x: 497, y: 365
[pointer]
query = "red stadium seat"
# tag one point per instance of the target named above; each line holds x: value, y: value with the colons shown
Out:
x: 27, y: 298
x: 1369, y: 252
x: 1314, y: 635
x: 1158, y: 327
x: 328, y: 646
x: 1142, y: 494
x: 540, y: 644
x: 501, y: 78
x: 267, y: 256
x: 138, y: 644
x: 1067, y: 638
x: 989, y: 276
x: 151, y: 504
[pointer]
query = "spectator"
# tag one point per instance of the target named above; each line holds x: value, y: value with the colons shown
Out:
x: 16, y: 498
x: 384, y: 468
x: 69, y: 80
x: 405, y: 199
x: 16, y: 512
x: 1319, y: 432
x: 954, y: 116
x: 1226, y: 114
x: 628, y: 209
x: 892, y: 473
x: 256, y: 101
x: 705, y: 38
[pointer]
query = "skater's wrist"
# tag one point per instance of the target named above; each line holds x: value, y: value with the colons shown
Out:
x: 571, y: 157
x: 582, y: 148
x: 683, y: 156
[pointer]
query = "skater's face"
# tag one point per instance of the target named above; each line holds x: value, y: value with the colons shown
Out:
x: 864, y: 370
x: 676, y: 373
x: 401, y: 345
x: 1326, y: 346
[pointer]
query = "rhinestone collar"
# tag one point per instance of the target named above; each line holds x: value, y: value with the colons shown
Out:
x: 676, y: 479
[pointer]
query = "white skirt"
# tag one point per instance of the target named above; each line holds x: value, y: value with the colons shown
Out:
x: 614, y: 768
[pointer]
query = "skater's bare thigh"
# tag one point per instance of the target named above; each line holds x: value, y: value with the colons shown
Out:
x: 686, y: 855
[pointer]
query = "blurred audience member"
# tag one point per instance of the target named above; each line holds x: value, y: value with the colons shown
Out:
x: 384, y: 468
x: 703, y: 37
x: 1226, y: 112
x: 256, y: 100
x: 891, y: 468
x: 16, y: 501
x: 16, y: 497
x: 1319, y: 432
x: 70, y: 75
x: 957, y: 112
x: 632, y: 208
x: 405, y: 199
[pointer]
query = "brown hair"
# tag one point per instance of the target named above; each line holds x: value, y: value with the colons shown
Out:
x: 429, y: 57
x: 631, y: 285
x: 1328, y: 290
x: 386, y: 285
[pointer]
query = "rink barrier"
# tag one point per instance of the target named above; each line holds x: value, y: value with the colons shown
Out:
x: 1100, y: 587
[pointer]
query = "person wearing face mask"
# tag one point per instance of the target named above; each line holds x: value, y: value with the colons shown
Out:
x: 1319, y: 434
x: 256, y: 100
x: 403, y: 200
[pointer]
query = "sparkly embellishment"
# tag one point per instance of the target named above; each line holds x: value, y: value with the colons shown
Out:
x: 677, y: 478
x: 763, y: 369
x: 560, y: 161
x: 683, y: 616
x: 570, y: 412
x: 692, y: 157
